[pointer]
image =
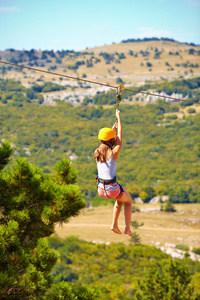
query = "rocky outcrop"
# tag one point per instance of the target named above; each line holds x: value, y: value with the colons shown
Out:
x: 154, y: 200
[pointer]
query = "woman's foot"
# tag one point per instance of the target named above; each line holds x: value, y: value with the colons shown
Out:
x: 128, y: 231
x: 116, y: 230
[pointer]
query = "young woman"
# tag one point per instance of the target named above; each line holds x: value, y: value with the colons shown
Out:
x: 106, y: 157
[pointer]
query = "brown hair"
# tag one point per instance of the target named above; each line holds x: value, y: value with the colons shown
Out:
x: 101, y: 154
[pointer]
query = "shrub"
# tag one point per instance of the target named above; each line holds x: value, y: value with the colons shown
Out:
x: 182, y: 247
x: 173, y: 283
x: 157, y: 55
x: 107, y: 56
x: 4, y: 101
x: 44, y: 56
x: 168, y: 207
x: 149, y: 191
x: 149, y: 64
x: 161, y: 190
x: 171, y: 117
x: 135, y: 239
x: 119, y: 80
x: 146, y: 53
x: 135, y: 224
x: 72, y: 67
x: 58, y: 61
x: 144, y: 196
x: 121, y: 56
x: 196, y: 251
x: 179, y: 195
x: 89, y: 63
x: 130, y: 52
x: 40, y: 99
x: 191, y: 111
x: 134, y: 190
x: 191, y: 51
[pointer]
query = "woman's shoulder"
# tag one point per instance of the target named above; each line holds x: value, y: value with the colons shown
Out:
x: 116, y: 149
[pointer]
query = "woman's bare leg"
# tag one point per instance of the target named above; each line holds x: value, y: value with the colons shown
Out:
x: 116, y: 212
x: 127, y: 200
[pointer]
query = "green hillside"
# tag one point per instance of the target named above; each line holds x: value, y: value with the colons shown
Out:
x: 115, y: 269
x: 160, y: 154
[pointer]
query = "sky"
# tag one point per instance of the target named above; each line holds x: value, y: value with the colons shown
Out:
x: 81, y: 24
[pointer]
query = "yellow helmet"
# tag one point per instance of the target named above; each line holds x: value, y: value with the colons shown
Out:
x: 106, y: 134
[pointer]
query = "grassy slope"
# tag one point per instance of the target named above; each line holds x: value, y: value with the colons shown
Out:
x: 130, y: 69
x: 181, y: 227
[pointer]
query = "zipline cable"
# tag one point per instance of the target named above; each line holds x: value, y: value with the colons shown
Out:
x: 94, y: 82
x: 156, y: 95
x: 61, y: 75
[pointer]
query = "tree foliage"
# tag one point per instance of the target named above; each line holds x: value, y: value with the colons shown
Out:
x: 5, y: 154
x: 31, y: 203
x: 173, y: 283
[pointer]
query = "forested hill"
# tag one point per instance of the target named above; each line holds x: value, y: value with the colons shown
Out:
x: 161, y: 149
x: 153, y: 39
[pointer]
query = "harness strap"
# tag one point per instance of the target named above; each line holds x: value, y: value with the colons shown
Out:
x: 121, y: 190
x: 106, y: 181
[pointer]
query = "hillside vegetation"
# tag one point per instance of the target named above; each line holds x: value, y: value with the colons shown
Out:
x: 157, y: 138
x: 113, y: 269
x: 156, y: 141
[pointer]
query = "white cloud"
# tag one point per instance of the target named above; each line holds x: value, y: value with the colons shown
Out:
x: 9, y: 9
x: 152, y: 32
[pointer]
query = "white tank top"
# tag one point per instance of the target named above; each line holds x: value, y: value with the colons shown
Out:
x: 107, y: 171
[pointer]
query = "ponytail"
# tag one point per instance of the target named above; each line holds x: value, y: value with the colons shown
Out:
x: 101, y: 153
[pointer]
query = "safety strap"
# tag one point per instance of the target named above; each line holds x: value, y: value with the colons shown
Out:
x: 107, y: 182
